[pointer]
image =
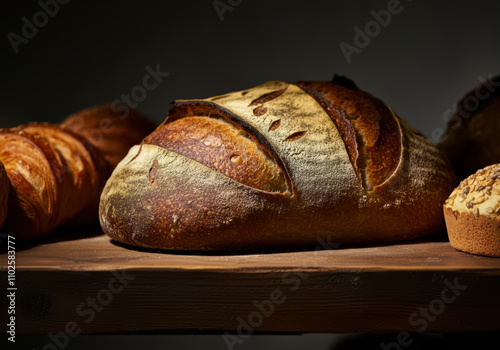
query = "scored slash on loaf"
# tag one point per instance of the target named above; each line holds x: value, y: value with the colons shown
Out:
x: 278, y: 165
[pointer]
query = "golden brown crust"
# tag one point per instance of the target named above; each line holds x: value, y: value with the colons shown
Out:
x: 190, y: 206
x: 4, y: 193
x: 110, y: 129
x: 53, y: 176
x: 413, y: 195
x: 320, y: 92
x: 375, y: 133
x: 222, y: 147
x: 56, y: 174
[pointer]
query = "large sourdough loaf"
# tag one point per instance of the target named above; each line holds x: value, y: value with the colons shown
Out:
x: 278, y: 165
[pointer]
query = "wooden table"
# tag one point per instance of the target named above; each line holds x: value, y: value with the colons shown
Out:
x: 83, y: 282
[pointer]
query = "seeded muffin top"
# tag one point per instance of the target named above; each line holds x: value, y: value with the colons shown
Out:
x: 478, y: 194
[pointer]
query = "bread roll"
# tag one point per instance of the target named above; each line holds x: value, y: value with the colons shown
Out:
x: 111, y: 130
x: 472, y: 213
x: 56, y: 173
x: 471, y: 139
x: 278, y: 165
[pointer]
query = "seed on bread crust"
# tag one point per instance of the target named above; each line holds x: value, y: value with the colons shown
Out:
x: 479, y: 191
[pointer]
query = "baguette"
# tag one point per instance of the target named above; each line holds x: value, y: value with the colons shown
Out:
x: 56, y: 172
x: 274, y: 166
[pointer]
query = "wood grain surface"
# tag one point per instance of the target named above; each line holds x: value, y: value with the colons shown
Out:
x: 86, y: 282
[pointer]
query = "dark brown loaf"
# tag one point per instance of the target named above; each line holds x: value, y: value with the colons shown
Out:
x: 471, y: 139
x: 278, y: 165
x: 57, y: 174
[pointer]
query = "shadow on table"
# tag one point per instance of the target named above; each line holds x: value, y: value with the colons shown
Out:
x: 68, y: 233
x: 322, y: 245
x: 63, y: 233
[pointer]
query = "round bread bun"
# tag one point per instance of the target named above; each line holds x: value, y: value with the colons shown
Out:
x: 472, y: 213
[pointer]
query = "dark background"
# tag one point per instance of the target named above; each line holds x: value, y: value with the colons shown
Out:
x: 91, y: 52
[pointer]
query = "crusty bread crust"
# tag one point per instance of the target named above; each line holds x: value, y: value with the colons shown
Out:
x: 52, y: 176
x: 223, y: 147
x: 188, y: 205
x: 56, y: 172
x: 110, y: 130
